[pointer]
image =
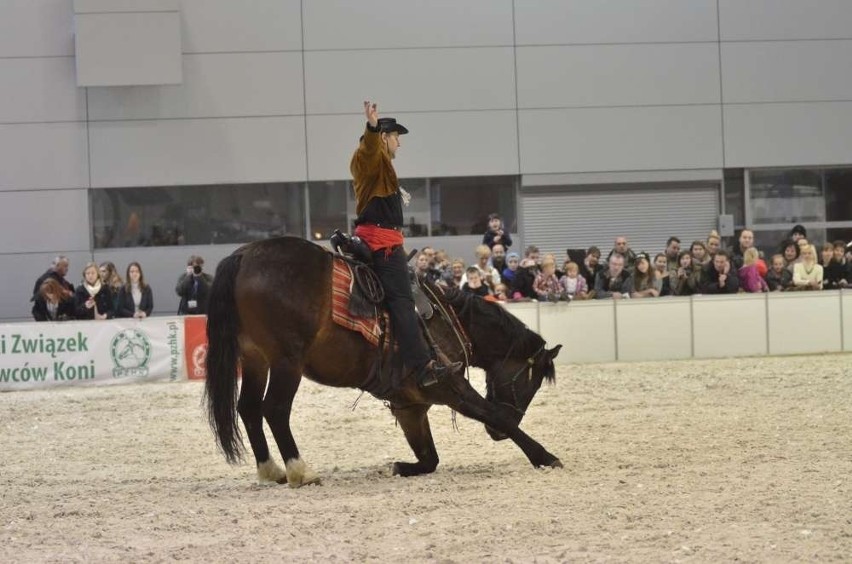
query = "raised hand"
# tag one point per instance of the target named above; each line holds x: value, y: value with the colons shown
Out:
x: 371, y: 112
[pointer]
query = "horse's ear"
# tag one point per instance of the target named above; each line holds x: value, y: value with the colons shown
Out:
x: 551, y: 353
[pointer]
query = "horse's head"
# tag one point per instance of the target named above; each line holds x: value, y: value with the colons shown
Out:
x: 514, y: 382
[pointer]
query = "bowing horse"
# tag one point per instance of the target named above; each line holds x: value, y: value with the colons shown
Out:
x: 270, y: 318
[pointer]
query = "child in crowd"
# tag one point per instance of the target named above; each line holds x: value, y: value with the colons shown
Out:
x: 779, y: 277
x: 807, y: 274
x: 546, y: 285
x: 750, y: 279
x: 501, y: 294
x: 474, y: 284
x: 512, y: 262
x: 573, y: 285
x: 496, y: 233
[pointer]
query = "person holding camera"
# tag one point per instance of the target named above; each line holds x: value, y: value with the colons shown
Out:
x: 193, y: 287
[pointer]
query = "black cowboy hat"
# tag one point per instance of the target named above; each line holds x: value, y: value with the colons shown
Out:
x: 389, y: 125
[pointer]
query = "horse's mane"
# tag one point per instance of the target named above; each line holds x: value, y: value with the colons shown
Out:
x: 495, y: 332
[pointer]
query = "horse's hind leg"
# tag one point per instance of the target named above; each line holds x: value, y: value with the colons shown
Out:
x: 284, y: 380
x: 250, y: 408
x: 414, y: 421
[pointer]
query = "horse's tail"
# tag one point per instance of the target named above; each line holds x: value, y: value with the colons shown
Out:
x: 220, y: 389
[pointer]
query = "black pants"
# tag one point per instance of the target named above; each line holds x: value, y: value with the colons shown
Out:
x: 393, y: 273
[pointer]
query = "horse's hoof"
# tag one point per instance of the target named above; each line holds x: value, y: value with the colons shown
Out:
x: 281, y: 480
x: 314, y: 481
x: 556, y: 464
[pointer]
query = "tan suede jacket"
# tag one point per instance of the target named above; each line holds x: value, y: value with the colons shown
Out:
x: 372, y: 170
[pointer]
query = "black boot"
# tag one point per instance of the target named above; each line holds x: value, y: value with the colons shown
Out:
x: 434, y: 373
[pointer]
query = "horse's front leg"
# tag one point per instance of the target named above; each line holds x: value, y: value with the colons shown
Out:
x: 461, y: 397
x: 284, y: 380
x: 414, y: 421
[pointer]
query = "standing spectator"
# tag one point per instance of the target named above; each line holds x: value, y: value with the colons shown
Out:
x: 798, y: 232
x: 490, y: 276
x: 807, y: 275
x: 663, y: 277
x: 525, y: 275
x: 513, y: 260
x: 840, y: 251
x: 453, y: 276
x: 590, y: 266
x: 498, y: 258
x: 423, y: 267
x: 496, y: 233
x: 53, y: 302
x: 700, y: 257
x: 110, y: 277
x: 714, y: 243
x: 672, y: 251
x: 474, y: 284
x: 573, y: 285
x: 621, y: 247
x: 615, y: 282
x: 442, y: 261
x: 93, y: 299
x: 686, y: 279
x: 779, y: 277
x: 719, y: 277
x: 644, y: 279
x: 58, y: 270
x: 833, y: 271
x: 747, y: 242
x: 193, y: 287
x: 136, y: 299
x: 546, y: 284
x: 750, y: 278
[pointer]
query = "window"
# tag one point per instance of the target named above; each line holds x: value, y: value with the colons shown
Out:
x: 328, y: 208
x: 195, y: 215
x: 460, y: 206
x: 735, y: 195
x: 787, y: 196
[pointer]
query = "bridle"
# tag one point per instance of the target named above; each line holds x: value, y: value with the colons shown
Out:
x: 526, y: 367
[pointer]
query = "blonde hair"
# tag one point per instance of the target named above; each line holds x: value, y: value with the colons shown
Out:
x: 572, y: 266
x: 91, y: 265
x: 750, y: 256
x: 812, y: 256
x: 714, y: 235
x: 482, y: 251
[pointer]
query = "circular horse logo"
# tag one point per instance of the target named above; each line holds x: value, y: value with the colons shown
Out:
x: 130, y: 350
x: 199, y: 361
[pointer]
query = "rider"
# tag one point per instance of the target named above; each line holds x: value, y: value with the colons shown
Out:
x: 378, y: 203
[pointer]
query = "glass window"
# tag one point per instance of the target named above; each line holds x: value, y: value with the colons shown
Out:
x: 735, y: 195
x: 787, y: 196
x: 838, y: 194
x: 461, y: 205
x: 328, y: 202
x: 196, y: 215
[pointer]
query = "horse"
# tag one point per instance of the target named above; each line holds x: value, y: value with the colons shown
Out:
x: 269, y: 317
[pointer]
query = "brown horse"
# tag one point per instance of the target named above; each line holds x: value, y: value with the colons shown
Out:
x: 270, y: 314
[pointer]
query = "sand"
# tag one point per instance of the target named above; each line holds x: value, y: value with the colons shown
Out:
x: 694, y: 461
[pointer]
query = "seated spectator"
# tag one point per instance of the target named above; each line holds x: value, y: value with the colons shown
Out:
x: 686, y: 280
x: 714, y: 243
x: 790, y: 251
x: 662, y: 276
x: 57, y: 271
x: 672, y: 251
x: 496, y: 233
x: 644, y: 279
x: 615, y: 282
x: 528, y: 269
x: 700, y: 257
x: 590, y: 266
x: 779, y: 277
x: 498, y: 258
x: 621, y: 247
x: 546, y: 284
x: 453, y: 276
x: 193, y: 287
x: 573, y: 285
x: 423, y: 267
x: 473, y: 283
x: 750, y: 279
x: 807, y: 275
x: 93, y: 299
x: 136, y: 298
x: 53, y: 302
x: 719, y: 277
x: 513, y: 260
x: 490, y: 276
x: 110, y: 277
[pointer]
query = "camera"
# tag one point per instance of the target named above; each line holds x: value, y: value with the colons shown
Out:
x: 197, y: 269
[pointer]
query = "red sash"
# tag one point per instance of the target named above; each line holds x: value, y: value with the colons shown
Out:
x: 378, y: 238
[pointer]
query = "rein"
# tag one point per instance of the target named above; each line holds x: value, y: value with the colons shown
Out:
x: 530, y: 362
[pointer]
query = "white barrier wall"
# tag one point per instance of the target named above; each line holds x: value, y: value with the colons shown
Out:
x: 694, y: 327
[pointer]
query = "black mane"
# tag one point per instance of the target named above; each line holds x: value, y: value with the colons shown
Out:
x: 494, y: 331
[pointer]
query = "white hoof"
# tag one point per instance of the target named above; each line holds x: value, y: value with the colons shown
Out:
x: 300, y: 474
x: 269, y: 473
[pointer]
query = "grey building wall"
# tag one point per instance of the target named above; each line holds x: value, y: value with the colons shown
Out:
x: 272, y: 89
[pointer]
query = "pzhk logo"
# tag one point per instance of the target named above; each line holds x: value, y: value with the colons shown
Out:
x: 130, y: 351
x: 199, y: 361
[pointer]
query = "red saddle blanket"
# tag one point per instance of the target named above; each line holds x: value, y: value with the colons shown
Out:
x: 341, y: 288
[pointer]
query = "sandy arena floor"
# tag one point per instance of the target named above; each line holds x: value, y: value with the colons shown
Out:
x: 695, y: 461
